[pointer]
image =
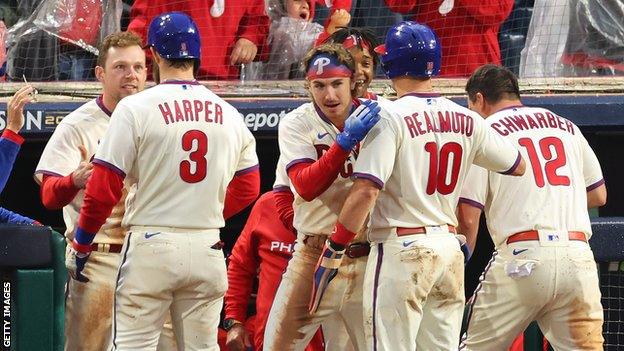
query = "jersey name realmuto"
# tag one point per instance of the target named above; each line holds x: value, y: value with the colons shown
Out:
x: 84, y: 126
x: 552, y: 194
x: 304, y: 136
x: 180, y: 144
x: 419, y: 153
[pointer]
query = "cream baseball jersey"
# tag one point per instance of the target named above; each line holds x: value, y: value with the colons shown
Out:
x: 552, y: 194
x: 85, y: 126
x: 180, y: 144
x: 419, y: 154
x: 304, y: 135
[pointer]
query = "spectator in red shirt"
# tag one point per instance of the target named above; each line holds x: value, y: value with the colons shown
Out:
x: 263, y: 248
x: 467, y: 29
x: 231, y: 31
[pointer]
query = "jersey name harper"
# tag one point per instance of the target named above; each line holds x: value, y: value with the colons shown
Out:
x: 191, y: 111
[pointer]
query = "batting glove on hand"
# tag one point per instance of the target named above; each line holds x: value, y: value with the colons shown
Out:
x: 76, y: 262
x: 463, y: 245
x: 358, y: 124
x: 326, y: 269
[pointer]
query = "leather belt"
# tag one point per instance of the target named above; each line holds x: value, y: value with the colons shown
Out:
x: 111, y: 248
x: 421, y: 230
x: 356, y: 250
x: 534, y: 235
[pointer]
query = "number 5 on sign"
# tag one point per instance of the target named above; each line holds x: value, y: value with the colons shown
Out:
x: 194, y: 171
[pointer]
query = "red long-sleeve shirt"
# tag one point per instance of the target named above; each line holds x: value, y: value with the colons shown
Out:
x: 468, y: 33
x: 264, y: 246
x: 239, y: 19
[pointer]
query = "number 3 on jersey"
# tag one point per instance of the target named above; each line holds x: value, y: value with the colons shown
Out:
x: 553, y: 162
x: 194, y: 171
x: 438, y: 179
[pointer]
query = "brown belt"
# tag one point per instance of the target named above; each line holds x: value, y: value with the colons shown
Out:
x: 111, y: 248
x: 420, y: 230
x: 533, y: 235
x: 356, y: 250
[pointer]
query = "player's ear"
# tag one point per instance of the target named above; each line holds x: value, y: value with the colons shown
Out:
x: 352, y: 82
x: 99, y: 73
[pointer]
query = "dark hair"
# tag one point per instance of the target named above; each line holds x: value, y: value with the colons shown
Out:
x: 365, y: 34
x: 117, y: 40
x: 181, y: 63
x: 494, y: 83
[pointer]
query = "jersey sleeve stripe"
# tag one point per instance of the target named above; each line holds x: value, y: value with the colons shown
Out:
x: 247, y: 170
x: 298, y: 161
x: 472, y: 203
x: 281, y: 188
x: 110, y: 166
x: 515, y: 165
x: 370, y: 177
x: 595, y: 185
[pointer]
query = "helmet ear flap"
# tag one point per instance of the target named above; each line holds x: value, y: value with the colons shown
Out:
x: 411, y: 49
x: 174, y: 35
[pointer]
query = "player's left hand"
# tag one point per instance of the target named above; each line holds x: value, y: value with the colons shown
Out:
x: 326, y: 270
x: 244, y: 52
x: 76, y: 262
x: 463, y: 245
x: 358, y: 124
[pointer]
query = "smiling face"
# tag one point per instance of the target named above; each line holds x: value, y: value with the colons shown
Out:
x: 333, y: 97
x: 123, y: 72
x: 364, y: 69
x: 298, y: 9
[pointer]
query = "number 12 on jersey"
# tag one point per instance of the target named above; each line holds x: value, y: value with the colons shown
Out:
x: 553, y: 161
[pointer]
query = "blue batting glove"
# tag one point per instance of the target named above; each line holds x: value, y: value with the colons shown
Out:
x: 326, y: 270
x: 79, y: 253
x: 463, y: 245
x: 358, y: 124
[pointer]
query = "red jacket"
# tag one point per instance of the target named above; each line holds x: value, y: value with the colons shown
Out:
x: 240, y: 19
x: 468, y: 33
x: 264, y: 246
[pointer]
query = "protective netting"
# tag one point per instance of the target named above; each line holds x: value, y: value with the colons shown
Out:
x: 612, y: 289
x: 51, y: 40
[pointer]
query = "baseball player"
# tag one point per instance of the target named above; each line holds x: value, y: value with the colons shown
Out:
x: 318, y: 144
x: 359, y: 42
x: 192, y: 163
x: 63, y: 171
x: 542, y: 268
x: 413, y: 163
x: 262, y: 249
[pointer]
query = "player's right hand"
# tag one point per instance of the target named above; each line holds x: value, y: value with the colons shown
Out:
x: 81, y: 175
x: 358, y: 124
x: 15, y: 108
x: 238, y: 338
x: 326, y: 270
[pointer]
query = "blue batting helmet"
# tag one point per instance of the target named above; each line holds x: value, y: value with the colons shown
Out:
x: 174, y: 35
x: 411, y: 49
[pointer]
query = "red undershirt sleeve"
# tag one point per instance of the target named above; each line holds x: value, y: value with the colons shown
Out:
x: 103, y: 192
x: 312, y: 179
x: 57, y: 191
x: 241, y: 192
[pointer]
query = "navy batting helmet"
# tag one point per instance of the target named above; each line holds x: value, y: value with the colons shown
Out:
x: 174, y: 35
x: 411, y: 49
